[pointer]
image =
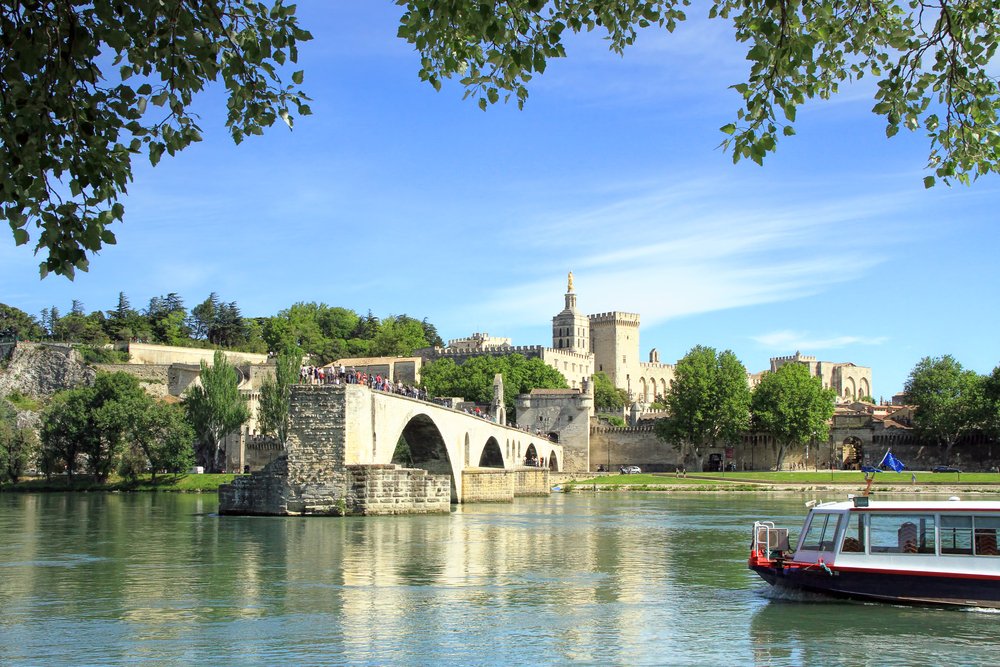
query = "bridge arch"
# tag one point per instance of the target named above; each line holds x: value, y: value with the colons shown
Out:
x: 553, y: 462
x: 491, y: 457
x: 427, y: 449
x: 530, y: 454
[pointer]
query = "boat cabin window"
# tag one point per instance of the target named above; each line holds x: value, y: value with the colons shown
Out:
x: 820, y: 534
x: 956, y: 534
x: 986, y: 528
x: 854, y: 534
x: 901, y: 533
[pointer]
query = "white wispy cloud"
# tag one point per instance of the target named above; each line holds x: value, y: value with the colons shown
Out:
x: 675, y: 251
x: 799, y: 340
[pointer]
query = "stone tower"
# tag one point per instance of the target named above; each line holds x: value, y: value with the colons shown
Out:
x: 614, y: 339
x: 570, y: 329
x: 498, y: 406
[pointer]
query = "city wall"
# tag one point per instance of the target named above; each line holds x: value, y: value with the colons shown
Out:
x: 147, y: 353
x: 613, y: 447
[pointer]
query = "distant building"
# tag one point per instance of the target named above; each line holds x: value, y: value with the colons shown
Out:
x: 850, y: 381
x: 581, y: 345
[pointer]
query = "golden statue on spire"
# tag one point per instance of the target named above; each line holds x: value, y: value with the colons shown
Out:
x: 569, y: 286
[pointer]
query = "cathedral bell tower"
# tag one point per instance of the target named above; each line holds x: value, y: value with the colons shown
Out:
x: 570, y: 329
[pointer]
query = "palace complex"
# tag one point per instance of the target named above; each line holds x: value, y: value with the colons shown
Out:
x: 609, y: 342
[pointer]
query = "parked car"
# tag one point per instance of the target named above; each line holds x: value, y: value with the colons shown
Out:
x: 631, y: 470
x: 945, y: 469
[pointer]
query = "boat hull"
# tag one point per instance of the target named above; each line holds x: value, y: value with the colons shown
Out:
x: 886, y: 586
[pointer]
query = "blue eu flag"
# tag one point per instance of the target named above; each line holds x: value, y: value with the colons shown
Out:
x: 892, y: 461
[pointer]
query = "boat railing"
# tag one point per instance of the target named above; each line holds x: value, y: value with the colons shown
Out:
x: 768, y: 540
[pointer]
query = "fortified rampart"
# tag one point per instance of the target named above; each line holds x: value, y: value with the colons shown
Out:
x: 613, y: 447
x: 148, y: 353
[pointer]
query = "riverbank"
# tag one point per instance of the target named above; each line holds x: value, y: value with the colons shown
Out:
x: 840, y: 482
x: 182, y: 483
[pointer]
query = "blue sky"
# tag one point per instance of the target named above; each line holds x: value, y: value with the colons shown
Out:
x: 399, y: 199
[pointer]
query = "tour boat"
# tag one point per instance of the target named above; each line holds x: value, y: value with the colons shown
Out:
x: 930, y: 552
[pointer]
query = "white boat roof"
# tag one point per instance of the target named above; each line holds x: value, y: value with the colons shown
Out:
x: 955, y: 505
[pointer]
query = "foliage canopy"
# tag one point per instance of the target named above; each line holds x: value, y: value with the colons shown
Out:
x: 949, y: 401
x: 708, y: 401
x: 88, y: 86
x: 792, y: 407
x: 931, y: 60
x: 473, y: 380
x: 216, y: 408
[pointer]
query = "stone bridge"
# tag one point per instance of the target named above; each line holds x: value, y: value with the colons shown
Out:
x: 353, y: 450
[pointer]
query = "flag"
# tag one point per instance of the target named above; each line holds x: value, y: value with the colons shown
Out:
x: 892, y: 462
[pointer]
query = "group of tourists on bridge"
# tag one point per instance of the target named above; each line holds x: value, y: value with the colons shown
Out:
x: 333, y: 375
x: 341, y: 375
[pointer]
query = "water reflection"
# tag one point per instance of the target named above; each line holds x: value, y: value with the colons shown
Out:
x: 641, y: 579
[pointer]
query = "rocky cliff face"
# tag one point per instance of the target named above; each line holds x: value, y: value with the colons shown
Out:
x: 41, y: 370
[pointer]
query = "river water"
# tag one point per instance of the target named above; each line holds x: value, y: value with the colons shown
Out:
x: 622, y: 579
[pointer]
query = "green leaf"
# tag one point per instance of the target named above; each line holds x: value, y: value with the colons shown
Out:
x: 928, y: 181
x: 728, y: 129
x: 297, y: 77
x: 20, y: 237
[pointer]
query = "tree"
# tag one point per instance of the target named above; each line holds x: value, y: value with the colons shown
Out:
x: 163, y: 436
x: 88, y: 86
x: 116, y: 403
x: 991, y: 403
x: 473, y: 380
x: 66, y: 426
x: 708, y: 401
x: 275, y: 395
x: 79, y: 328
x: 398, y: 336
x: 167, y: 319
x: 792, y: 407
x: 431, y: 334
x: 606, y: 394
x: 931, y: 59
x: 17, y: 444
x: 16, y: 322
x: 125, y: 323
x: 216, y: 408
x: 948, y: 399
x: 203, y: 316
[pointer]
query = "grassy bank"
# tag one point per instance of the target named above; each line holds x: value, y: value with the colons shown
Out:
x: 790, y: 481
x: 183, y: 483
